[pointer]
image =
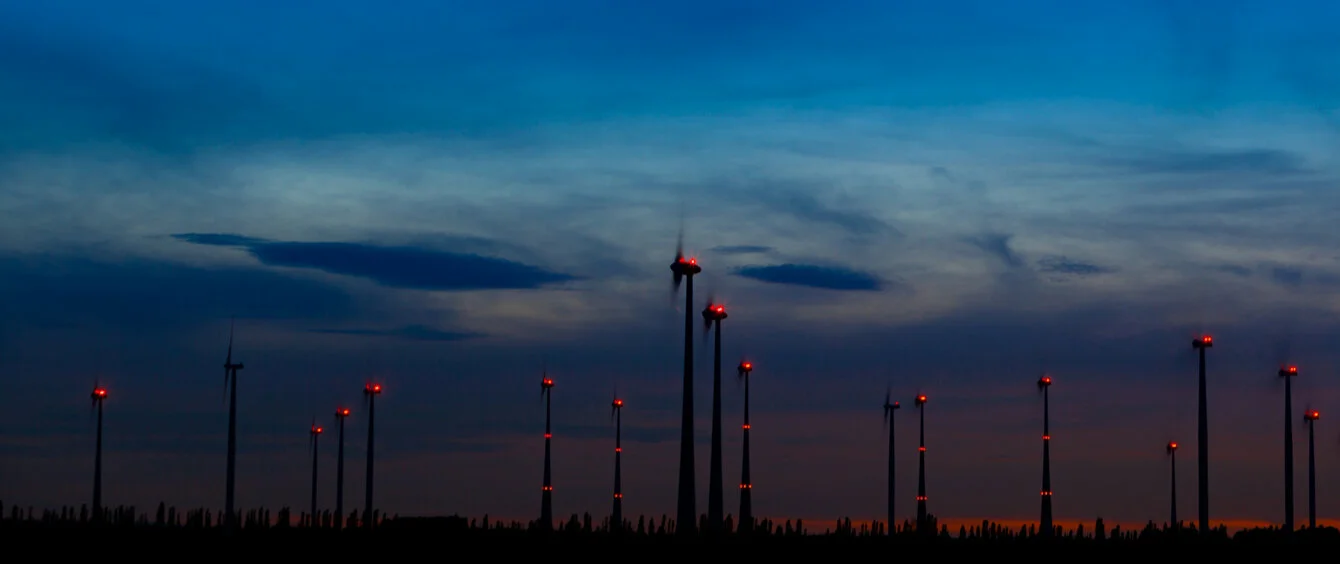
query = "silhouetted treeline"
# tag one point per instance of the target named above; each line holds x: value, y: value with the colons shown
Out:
x: 163, y: 518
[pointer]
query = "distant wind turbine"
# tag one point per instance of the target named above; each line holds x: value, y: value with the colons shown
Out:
x: 1172, y: 458
x: 340, y: 415
x: 922, y: 522
x: 1047, y: 529
x: 1202, y: 344
x: 99, y: 394
x: 546, y: 496
x: 370, y: 391
x: 230, y: 380
x: 745, y: 369
x: 889, y: 409
x: 315, y: 433
x: 712, y: 316
x: 1288, y: 373
x: 616, y: 412
x: 1311, y: 418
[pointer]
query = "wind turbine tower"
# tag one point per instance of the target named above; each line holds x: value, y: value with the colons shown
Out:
x: 1288, y: 373
x: 1044, y: 385
x: 546, y: 496
x: 315, y: 433
x: 746, y: 485
x: 616, y: 411
x: 340, y: 415
x: 230, y: 380
x: 370, y: 391
x: 712, y: 316
x: 1201, y: 344
x: 1172, y: 457
x: 99, y: 394
x: 1311, y: 418
x: 889, y: 409
x: 686, y: 513
x: 922, y: 523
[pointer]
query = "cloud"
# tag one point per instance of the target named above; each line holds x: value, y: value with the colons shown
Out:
x: 152, y: 295
x: 805, y: 206
x: 1260, y: 161
x: 827, y: 277
x: 410, y: 332
x: 998, y: 245
x: 1235, y: 270
x: 397, y: 267
x: 741, y: 249
x: 219, y: 239
x: 1063, y: 265
x: 1286, y: 276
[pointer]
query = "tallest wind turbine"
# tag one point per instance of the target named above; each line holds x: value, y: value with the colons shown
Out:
x: 230, y: 380
x: 686, y: 511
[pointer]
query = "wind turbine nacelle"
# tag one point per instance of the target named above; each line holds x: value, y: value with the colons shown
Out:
x: 1203, y: 342
x: 1289, y: 371
x: 686, y: 267
x: 921, y: 400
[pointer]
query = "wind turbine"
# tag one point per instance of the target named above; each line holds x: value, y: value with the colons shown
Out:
x: 546, y: 497
x: 315, y: 433
x: 1311, y: 418
x: 340, y: 415
x: 1044, y: 385
x: 370, y: 391
x: 1288, y: 373
x: 1172, y: 457
x: 230, y: 380
x: 712, y: 316
x: 889, y: 409
x: 99, y: 394
x: 746, y: 485
x: 1202, y: 344
x: 616, y: 413
x: 922, y: 523
x: 686, y: 512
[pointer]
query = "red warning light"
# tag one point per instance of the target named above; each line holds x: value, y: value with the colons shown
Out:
x: 317, y: 430
x: 342, y: 412
x: 99, y: 393
x: 1172, y: 446
x: 1312, y: 415
x: 748, y: 366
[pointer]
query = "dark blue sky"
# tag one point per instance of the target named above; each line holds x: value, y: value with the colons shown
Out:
x: 446, y: 196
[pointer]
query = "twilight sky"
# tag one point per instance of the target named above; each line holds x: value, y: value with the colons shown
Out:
x: 447, y: 196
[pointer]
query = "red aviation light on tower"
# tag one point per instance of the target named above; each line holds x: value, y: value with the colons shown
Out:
x: 921, y: 400
x: 342, y: 412
x: 747, y: 366
x: 1289, y: 371
x: 618, y: 403
x: 1044, y: 381
x: 372, y: 389
x: 719, y: 309
x: 1202, y: 342
x: 1312, y: 415
x: 317, y: 430
x: 547, y: 383
x: 99, y: 393
x: 1172, y: 447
